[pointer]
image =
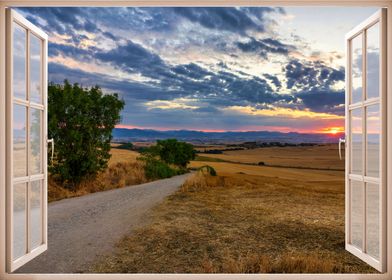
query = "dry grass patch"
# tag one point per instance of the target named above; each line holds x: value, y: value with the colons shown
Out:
x: 240, y: 223
x: 124, y: 170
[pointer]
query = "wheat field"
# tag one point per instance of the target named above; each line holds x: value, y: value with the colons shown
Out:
x: 248, y: 219
x: 322, y: 156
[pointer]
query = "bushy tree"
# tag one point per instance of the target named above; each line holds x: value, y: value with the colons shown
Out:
x: 81, y: 120
x: 174, y: 152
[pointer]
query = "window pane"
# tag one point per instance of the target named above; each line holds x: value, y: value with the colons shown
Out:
x: 373, y: 141
x: 35, y: 69
x: 35, y: 141
x: 356, y: 69
x: 20, y: 146
x: 36, y: 214
x: 19, y: 220
x: 19, y: 61
x: 356, y: 213
x: 372, y: 220
x: 356, y: 141
x: 373, y: 61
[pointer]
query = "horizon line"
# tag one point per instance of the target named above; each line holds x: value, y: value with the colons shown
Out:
x: 129, y: 127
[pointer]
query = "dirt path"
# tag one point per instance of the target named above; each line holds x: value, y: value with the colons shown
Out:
x: 83, y: 228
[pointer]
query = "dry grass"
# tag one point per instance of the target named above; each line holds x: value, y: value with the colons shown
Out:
x: 325, y: 156
x: 121, y: 155
x: 241, y: 223
x: 124, y: 170
x: 226, y: 168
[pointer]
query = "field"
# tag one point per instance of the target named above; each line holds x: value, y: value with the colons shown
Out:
x: 248, y: 219
x: 122, y: 155
x: 322, y: 157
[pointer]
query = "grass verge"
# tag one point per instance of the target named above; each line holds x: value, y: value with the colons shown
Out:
x: 117, y: 175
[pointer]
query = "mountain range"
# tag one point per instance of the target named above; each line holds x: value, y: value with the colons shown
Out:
x: 194, y: 136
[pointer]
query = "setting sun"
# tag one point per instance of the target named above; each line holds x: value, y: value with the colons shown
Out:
x: 333, y: 130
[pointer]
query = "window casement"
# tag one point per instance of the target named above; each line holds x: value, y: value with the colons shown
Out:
x: 23, y: 138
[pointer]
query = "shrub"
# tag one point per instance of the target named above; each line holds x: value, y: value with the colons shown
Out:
x: 209, y: 169
x: 156, y: 169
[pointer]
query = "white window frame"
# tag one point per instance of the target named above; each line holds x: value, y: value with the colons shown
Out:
x: 15, y: 18
x: 102, y: 3
x: 378, y: 17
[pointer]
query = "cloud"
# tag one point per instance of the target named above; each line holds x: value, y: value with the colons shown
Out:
x: 264, y: 47
x: 323, y: 101
x: 282, y: 112
x: 274, y: 80
x: 238, y: 20
x: 179, y: 103
x: 167, y: 63
x: 134, y: 58
x: 309, y: 74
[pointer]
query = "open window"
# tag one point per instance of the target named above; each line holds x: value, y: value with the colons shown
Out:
x: 366, y: 124
x: 26, y: 141
x: 366, y: 141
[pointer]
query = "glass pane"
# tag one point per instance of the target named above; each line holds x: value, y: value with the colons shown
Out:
x: 356, y: 141
x: 373, y: 61
x: 35, y: 141
x: 356, y: 213
x: 20, y: 146
x: 19, y: 220
x: 356, y: 69
x: 19, y: 61
x: 372, y: 220
x: 36, y: 214
x: 35, y: 69
x: 373, y: 141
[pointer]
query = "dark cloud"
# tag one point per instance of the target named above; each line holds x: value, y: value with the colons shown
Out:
x: 264, y: 46
x: 274, y: 80
x: 323, y: 101
x: 192, y: 70
x: 308, y: 75
x: 134, y: 58
x: 55, y: 49
x: 70, y: 21
x: 237, y: 20
x: 126, y: 88
x: 313, y: 83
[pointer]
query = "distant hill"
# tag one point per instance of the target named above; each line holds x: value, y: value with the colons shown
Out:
x: 123, y: 134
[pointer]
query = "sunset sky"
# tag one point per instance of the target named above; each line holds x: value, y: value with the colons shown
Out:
x: 211, y: 69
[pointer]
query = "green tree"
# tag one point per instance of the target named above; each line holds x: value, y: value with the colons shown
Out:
x: 81, y: 120
x: 174, y: 152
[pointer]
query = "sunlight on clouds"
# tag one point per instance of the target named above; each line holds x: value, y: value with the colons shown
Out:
x: 282, y: 112
x: 61, y: 39
x: 178, y: 103
x: 339, y: 85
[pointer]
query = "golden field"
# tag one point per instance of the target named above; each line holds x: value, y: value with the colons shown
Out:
x: 322, y: 157
x: 248, y: 219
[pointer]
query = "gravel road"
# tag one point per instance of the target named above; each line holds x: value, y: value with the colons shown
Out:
x: 84, y: 228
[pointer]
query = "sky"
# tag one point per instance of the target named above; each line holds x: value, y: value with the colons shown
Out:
x: 209, y: 69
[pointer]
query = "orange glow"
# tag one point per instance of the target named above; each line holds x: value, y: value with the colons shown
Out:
x: 283, y: 129
x: 333, y: 130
